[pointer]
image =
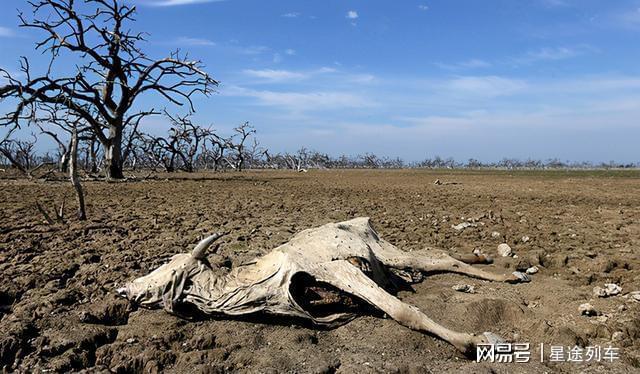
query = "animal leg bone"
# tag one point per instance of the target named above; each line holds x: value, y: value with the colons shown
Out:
x: 441, y: 262
x: 350, y: 279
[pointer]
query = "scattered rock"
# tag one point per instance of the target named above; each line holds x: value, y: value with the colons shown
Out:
x: 587, y: 309
x: 131, y: 340
x: 495, y: 234
x: 610, y: 289
x: 532, y: 270
x: 463, y: 225
x: 525, y: 239
x: 504, y: 250
x: 467, y: 288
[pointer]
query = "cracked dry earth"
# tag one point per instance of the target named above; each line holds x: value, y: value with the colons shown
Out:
x: 59, y: 311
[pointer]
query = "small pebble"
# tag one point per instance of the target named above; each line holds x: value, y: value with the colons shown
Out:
x: 532, y: 270
x: 131, y: 340
x: 467, y: 288
x: 525, y: 239
x: 495, y: 234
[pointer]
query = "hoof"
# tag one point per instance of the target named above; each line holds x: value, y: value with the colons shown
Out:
x: 486, y: 338
x: 519, y: 277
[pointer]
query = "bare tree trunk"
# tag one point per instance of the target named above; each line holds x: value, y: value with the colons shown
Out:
x: 94, y: 156
x: 64, y: 161
x: 113, y: 154
x: 73, y: 175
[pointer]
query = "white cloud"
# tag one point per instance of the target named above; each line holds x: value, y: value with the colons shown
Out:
x: 277, y: 57
x: 423, y: 7
x: 554, y: 54
x: 174, y: 2
x: 298, y: 102
x: 286, y: 75
x: 6, y: 32
x: 275, y: 75
x: 352, y: 14
x: 473, y: 63
x: 301, y: 101
x: 194, y: 41
x: 290, y: 51
x: 362, y: 78
x: 291, y: 15
x: 484, y: 86
x: 326, y: 69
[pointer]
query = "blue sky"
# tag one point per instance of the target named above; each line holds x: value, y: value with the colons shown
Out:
x: 482, y: 79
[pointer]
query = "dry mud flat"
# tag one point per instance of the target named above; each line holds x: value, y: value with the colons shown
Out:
x: 59, y: 313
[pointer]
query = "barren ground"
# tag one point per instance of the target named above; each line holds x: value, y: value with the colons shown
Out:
x: 58, y: 309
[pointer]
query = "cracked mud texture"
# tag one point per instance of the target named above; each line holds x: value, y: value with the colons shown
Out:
x: 59, y: 312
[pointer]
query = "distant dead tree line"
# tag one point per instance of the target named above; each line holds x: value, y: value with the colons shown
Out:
x: 190, y: 147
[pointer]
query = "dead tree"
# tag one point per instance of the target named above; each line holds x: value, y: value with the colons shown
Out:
x: 185, y: 140
x: 216, y: 152
x: 63, y: 148
x: 179, y: 150
x: 91, y: 153
x: 21, y: 154
x: 254, y: 154
x: 113, y: 74
x: 243, y: 132
x: 73, y: 174
x: 156, y: 152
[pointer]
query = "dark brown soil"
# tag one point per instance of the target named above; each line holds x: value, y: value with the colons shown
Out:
x: 59, y: 311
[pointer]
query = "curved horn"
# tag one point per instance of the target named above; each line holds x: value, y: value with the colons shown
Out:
x: 200, y: 251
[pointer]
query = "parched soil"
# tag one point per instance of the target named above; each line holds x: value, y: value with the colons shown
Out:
x: 59, y: 311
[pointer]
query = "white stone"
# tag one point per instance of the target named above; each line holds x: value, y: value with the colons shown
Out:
x: 504, y: 250
x: 467, y: 288
x: 463, y: 225
x: 610, y: 289
x: 532, y: 270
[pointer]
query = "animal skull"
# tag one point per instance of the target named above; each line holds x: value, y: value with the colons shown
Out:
x: 323, y: 274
